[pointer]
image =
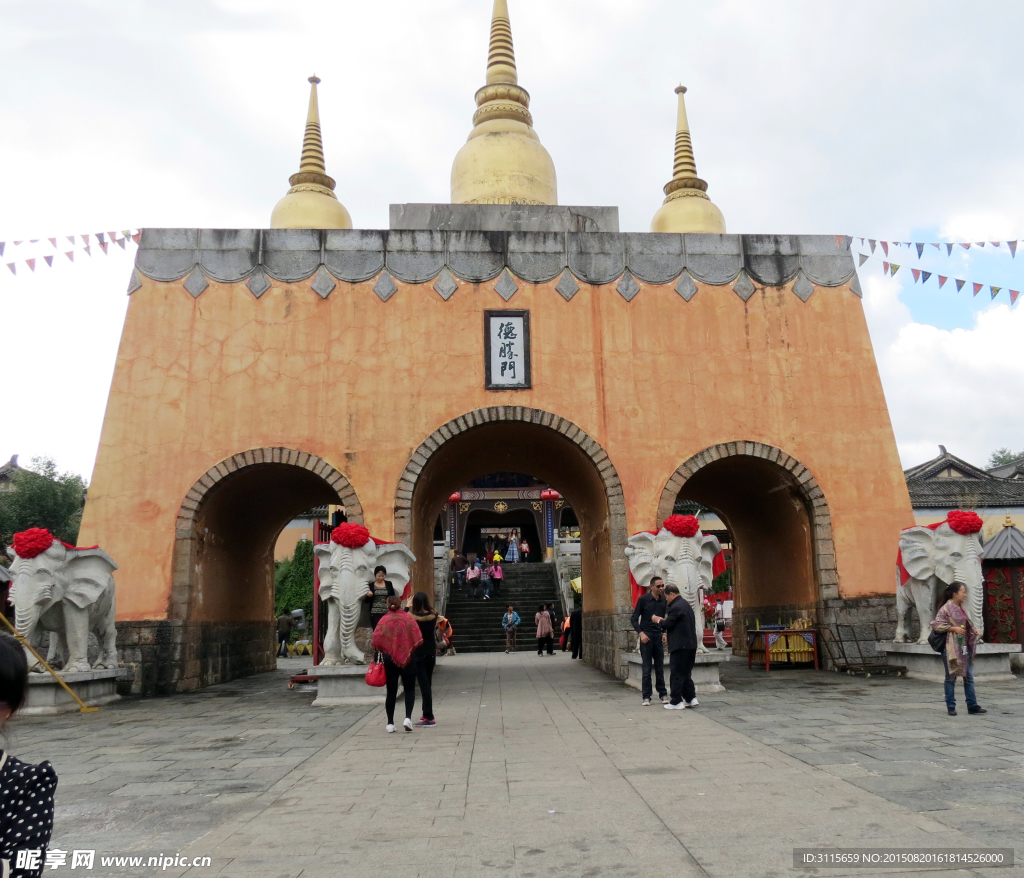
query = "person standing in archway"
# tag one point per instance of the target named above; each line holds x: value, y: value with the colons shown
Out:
x: 648, y: 605
x: 378, y: 593
x: 681, y: 626
x: 285, y: 623
x: 512, y: 551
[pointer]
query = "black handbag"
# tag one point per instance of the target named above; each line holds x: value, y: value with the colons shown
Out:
x: 937, y: 641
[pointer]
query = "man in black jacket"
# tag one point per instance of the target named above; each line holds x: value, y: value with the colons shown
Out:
x: 682, y: 648
x: 647, y: 606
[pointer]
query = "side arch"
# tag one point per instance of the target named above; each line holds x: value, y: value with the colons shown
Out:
x: 552, y: 448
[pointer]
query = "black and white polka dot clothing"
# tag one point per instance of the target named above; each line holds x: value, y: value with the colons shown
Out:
x: 26, y: 814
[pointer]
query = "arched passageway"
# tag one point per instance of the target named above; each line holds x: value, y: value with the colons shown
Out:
x: 516, y: 439
x: 777, y: 516
x: 223, y: 573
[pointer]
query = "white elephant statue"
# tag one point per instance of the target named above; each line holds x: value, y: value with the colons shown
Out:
x: 346, y: 571
x: 681, y: 555
x: 66, y: 591
x: 930, y: 559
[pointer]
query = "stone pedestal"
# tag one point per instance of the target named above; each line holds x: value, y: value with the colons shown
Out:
x: 340, y: 685
x: 47, y: 696
x: 991, y: 663
x: 705, y: 670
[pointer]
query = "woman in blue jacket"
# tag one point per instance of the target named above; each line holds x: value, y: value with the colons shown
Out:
x: 510, y: 621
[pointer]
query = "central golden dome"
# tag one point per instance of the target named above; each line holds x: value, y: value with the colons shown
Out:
x: 503, y: 161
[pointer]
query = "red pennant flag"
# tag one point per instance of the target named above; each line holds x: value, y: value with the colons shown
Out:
x: 872, y: 243
x: 942, y: 280
x: 966, y: 246
x: 924, y: 276
x: 17, y: 243
x: 1013, y: 248
x: 977, y: 288
x: 960, y: 285
x: 136, y: 237
x: 885, y: 268
x: 863, y: 258
x: 31, y: 263
x: 12, y: 267
x: 104, y: 244
x: 917, y: 274
x: 839, y: 240
x: 893, y: 269
x: 920, y: 250
x: 949, y: 249
x: 885, y: 247
x: 70, y: 255
x: 49, y: 260
x: 1013, y: 296
x: 995, y: 291
x: 53, y: 241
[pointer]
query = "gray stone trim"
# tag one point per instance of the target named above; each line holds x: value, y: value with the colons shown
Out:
x: 358, y: 255
x: 825, y: 571
x: 184, y: 538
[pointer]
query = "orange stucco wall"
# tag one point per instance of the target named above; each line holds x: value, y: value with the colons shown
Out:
x: 361, y: 383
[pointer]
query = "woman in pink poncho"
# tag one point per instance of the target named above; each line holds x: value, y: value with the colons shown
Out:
x: 961, y: 644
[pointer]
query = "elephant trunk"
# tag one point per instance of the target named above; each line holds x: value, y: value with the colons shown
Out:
x: 969, y: 573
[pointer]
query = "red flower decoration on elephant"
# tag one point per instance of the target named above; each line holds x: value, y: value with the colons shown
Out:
x: 32, y: 542
x: 965, y: 523
x: 681, y: 525
x: 351, y: 536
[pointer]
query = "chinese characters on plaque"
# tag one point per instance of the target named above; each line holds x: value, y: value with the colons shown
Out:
x: 507, y: 350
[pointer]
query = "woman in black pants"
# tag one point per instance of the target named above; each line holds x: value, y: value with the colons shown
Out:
x: 426, y: 652
x: 397, y: 636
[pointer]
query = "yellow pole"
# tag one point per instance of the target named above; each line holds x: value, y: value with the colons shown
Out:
x: 84, y: 708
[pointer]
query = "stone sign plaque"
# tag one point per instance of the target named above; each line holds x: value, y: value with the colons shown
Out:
x: 507, y: 350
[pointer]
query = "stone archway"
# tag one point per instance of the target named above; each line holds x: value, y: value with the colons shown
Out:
x: 777, y: 513
x: 221, y: 603
x: 549, y: 447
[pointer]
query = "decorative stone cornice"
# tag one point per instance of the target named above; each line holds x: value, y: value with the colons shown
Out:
x: 418, y: 257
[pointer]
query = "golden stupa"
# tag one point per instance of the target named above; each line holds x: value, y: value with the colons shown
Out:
x: 311, y: 202
x: 687, y: 207
x: 503, y: 161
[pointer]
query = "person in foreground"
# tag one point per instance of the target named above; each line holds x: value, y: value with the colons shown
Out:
x: 26, y: 791
x: 510, y: 622
x: 961, y: 644
x: 398, y: 636
x: 682, y: 649
x: 544, y: 630
x: 426, y: 654
x: 650, y: 604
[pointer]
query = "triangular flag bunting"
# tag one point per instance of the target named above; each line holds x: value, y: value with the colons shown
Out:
x: 71, y: 239
x: 885, y: 268
x: 966, y: 246
x: 863, y: 258
x: 994, y: 243
x: 872, y: 243
x: 960, y: 285
x: 1013, y: 296
x: 4, y: 244
x: 937, y: 246
x: 1013, y: 248
x: 977, y: 288
x: 893, y: 269
x: 31, y: 263
x: 920, y: 250
x: 126, y: 232
x: 53, y: 241
x: 839, y: 240
x: 136, y: 237
x: 104, y: 244
x: 99, y: 237
x: 949, y: 249
x: 861, y: 241
x: 942, y: 280
x: 885, y: 247
x: 49, y: 260
x: 979, y: 243
x: 906, y: 243
x: 88, y: 252
x: 995, y: 291
x: 917, y: 274
x: 120, y: 242
x: 17, y: 243
x: 924, y: 276
x: 12, y: 267
x: 70, y: 255
x: 34, y: 241
x: 85, y: 239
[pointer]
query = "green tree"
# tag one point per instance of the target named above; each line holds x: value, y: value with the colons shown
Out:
x: 294, y: 589
x: 1004, y: 455
x: 43, y: 497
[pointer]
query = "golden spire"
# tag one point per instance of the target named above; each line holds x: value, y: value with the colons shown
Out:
x: 687, y: 207
x: 311, y: 202
x: 503, y: 161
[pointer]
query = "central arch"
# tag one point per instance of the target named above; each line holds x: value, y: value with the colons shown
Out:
x: 552, y: 448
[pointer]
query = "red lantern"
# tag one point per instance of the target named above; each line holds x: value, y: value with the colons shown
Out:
x: 456, y: 497
x: 550, y: 494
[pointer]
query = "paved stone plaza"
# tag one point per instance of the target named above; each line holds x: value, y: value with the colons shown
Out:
x: 538, y: 766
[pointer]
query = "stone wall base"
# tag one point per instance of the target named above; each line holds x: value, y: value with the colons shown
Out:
x: 606, y: 636
x: 173, y: 656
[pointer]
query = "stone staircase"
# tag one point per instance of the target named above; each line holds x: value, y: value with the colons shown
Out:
x: 477, y: 623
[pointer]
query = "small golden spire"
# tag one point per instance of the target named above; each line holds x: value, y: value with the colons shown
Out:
x: 1009, y: 521
x: 503, y: 161
x: 311, y: 202
x: 687, y: 207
